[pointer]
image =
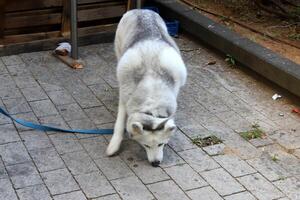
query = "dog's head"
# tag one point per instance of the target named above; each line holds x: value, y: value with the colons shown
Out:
x: 152, y: 133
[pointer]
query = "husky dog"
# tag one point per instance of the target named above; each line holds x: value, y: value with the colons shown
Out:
x: 150, y: 73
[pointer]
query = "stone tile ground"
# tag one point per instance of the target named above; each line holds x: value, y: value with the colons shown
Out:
x: 217, y: 99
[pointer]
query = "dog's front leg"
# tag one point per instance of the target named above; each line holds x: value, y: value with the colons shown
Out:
x: 117, y: 137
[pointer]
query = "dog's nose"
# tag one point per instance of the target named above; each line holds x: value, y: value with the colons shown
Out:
x: 155, y: 163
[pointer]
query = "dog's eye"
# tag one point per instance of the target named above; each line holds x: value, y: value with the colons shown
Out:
x: 147, y: 146
x: 161, y: 144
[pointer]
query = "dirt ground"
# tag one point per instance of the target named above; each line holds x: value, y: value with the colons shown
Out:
x: 275, y: 33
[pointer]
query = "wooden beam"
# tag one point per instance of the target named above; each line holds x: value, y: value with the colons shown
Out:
x: 66, y: 21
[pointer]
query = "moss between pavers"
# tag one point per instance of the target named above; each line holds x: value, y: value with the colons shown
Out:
x: 207, y: 141
x: 255, y: 132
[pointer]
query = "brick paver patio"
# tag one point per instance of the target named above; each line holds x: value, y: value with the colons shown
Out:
x: 217, y: 99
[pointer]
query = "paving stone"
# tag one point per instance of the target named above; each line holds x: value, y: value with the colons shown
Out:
x: 35, y: 140
x: 23, y: 175
x: 234, y: 165
x: 95, y: 146
x: 268, y: 168
x: 288, y: 140
x: 99, y: 115
x: 34, y: 93
x: 47, y: 159
x: 79, y: 162
x: 71, y: 112
x: 13, y: 153
x: 147, y: 173
x: 260, y: 187
x: 9, y: 93
x: 34, y: 192
x: 6, y: 81
x: 54, y: 120
x: 12, y: 60
x: 185, y: 177
x: 204, y: 193
x: 8, y: 133
x: 222, y: 182
x: 61, y: 97
x: 180, y: 142
x: 25, y: 81
x: 132, y: 151
x: 77, y: 195
x: 87, y: 99
x: 18, y: 70
x: 213, y: 150
x: 3, y: 119
x: 167, y: 190
x: 3, y: 69
x: 6, y: 190
x: 16, y: 106
x: 65, y: 143
x: 83, y: 124
x: 25, y: 116
x: 243, y: 195
x: 94, y: 184
x: 113, y: 167
x: 3, y: 173
x: 109, y: 197
x: 297, y: 153
x: 195, y: 130
x: 260, y: 142
x: 198, y: 160
x: 59, y: 181
x: 290, y: 187
x: 234, y: 120
x: 43, y: 108
x: 131, y: 188
x: 49, y: 87
x: 170, y: 158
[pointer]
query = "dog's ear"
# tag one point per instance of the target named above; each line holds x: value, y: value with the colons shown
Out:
x: 170, y: 126
x: 137, y: 128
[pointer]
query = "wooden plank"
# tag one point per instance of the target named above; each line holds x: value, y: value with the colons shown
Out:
x: 19, y: 5
x: 66, y: 21
x: 2, y: 17
x: 101, y: 13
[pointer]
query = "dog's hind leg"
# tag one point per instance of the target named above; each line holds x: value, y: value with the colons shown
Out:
x: 117, y: 137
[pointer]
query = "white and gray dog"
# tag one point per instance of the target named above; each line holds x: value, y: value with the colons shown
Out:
x: 150, y: 73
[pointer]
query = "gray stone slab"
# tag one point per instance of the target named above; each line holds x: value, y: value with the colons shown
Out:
x: 268, y: 168
x: 12, y: 60
x: 77, y: 195
x: 65, y: 143
x: 113, y: 167
x: 99, y: 115
x: 213, y: 150
x: 83, y: 124
x: 131, y: 188
x: 3, y: 69
x: 59, y: 181
x: 234, y: 165
x: 243, y: 195
x: 47, y: 159
x: 109, y: 197
x: 290, y: 187
x: 95, y: 146
x: 35, y: 140
x: 29, y: 116
x: 185, y: 177
x: 13, y: 153
x: 61, y: 97
x: 7, y: 191
x: 260, y: 187
x: 54, y: 120
x: 25, y: 81
x: 3, y: 118
x: 3, y: 172
x: 18, y: 70
x: 288, y: 140
x: 23, y: 175
x: 94, y: 184
x: 222, y: 182
x: 34, y: 93
x: 204, y: 193
x: 132, y: 151
x: 198, y: 160
x: 8, y: 133
x: 260, y: 142
x: 79, y: 163
x: 147, y: 173
x: 34, y: 192
x: 71, y: 112
x: 180, y: 142
x: 10, y: 92
x: 16, y: 106
x: 43, y: 108
x: 86, y: 99
x: 167, y: 190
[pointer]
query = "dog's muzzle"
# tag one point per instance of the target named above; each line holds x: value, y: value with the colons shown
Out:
x: 155, y: 163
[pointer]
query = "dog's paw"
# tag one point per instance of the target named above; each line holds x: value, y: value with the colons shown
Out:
x: 112, y: 148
